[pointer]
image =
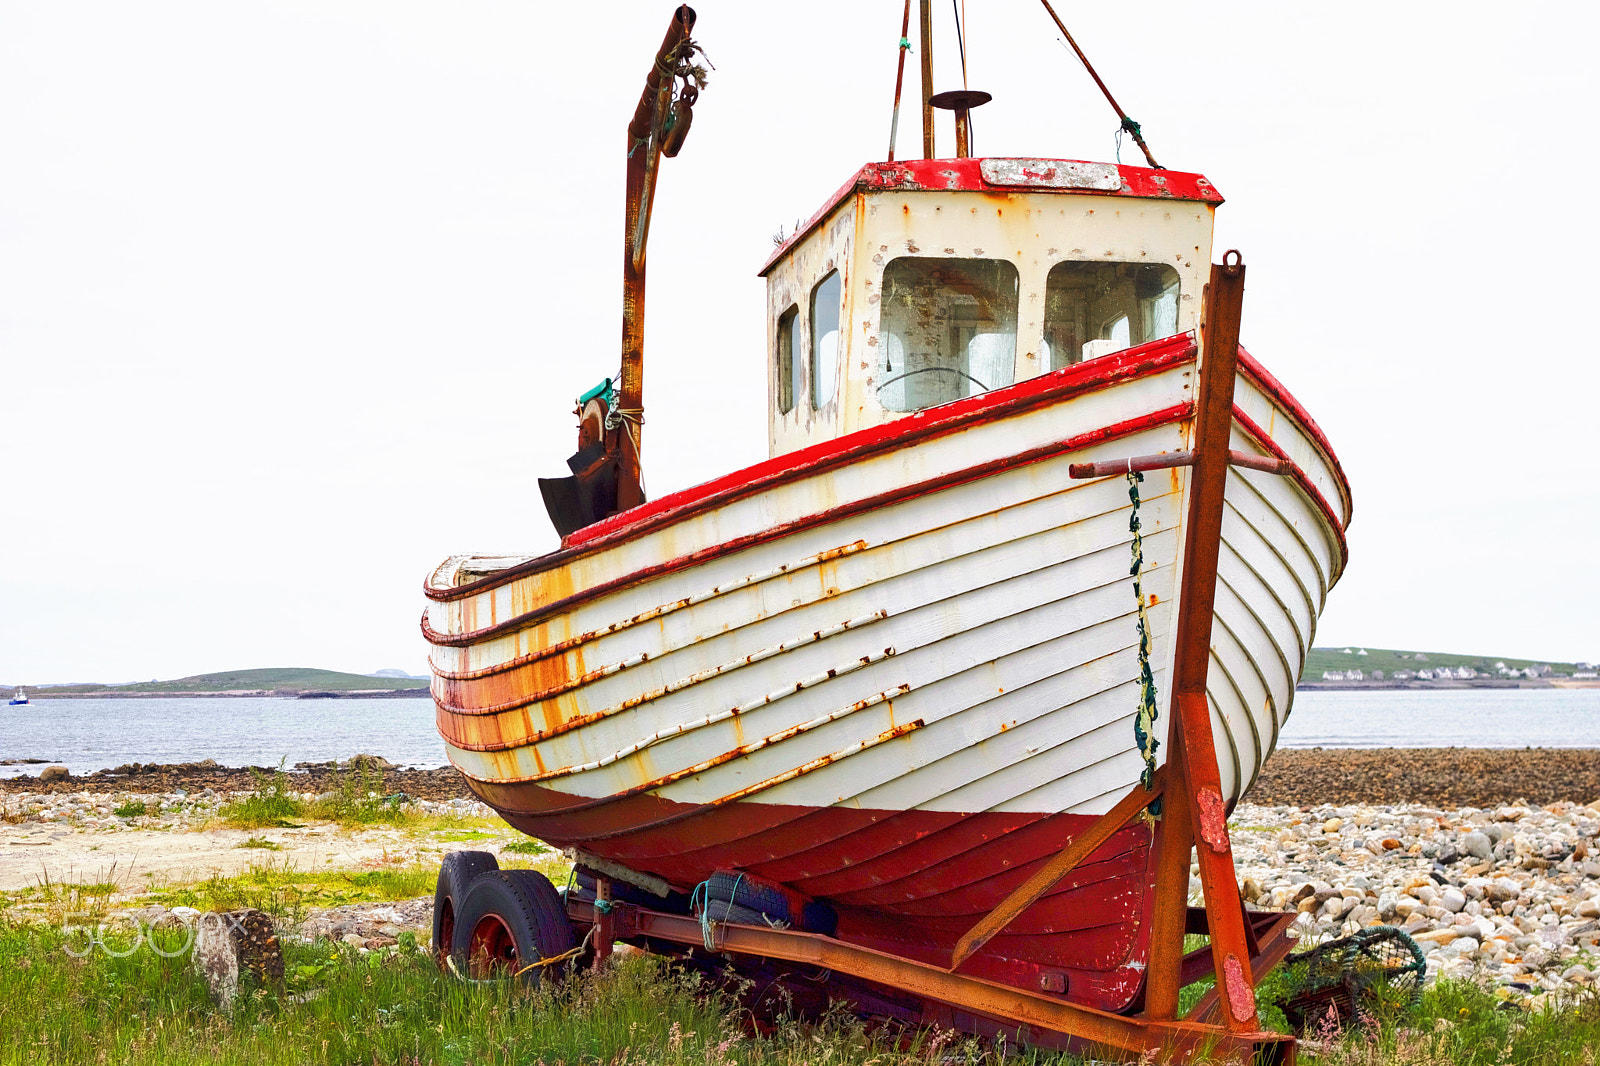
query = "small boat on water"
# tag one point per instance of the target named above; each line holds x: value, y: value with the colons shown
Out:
x: 1032, y: 522
x: 19, y: 698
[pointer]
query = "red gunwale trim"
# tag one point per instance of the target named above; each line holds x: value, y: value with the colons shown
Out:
x: 1260, y: 436
x: 1102, y: 373
x: 1166, y: 416
x: 1280, y: 395
x: 966, y: 175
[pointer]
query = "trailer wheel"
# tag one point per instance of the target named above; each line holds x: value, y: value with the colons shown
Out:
x: 510, y: 922
x: 456, y: 873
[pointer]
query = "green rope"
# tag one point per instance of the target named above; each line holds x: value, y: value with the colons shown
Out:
x: 1144, y: 722
x: 1131, y: 126
x: 905, y: 42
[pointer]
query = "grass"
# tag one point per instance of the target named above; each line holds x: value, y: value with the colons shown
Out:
x: 66, y: 1003
x: 131, y: 809
x: 356, y: 801
x: 1389, y: 660
x: 527, y: 847
x: 271, y: 679
x: 286, y: 891
x: 1460, y: 1024
x: 340, y: 1006
x: 260, y: 842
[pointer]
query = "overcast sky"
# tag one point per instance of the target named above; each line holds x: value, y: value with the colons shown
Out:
x: 295, y: 296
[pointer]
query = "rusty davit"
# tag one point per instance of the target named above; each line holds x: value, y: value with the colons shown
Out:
x: 933, y: 709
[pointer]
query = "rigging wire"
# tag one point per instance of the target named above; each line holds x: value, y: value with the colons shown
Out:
x: 958, y: 8
x: 1128, y: 125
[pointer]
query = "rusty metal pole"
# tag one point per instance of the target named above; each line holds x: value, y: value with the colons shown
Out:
x: 899, y: 78
x: 604, y: 922
x: 927, y: 79
x: 1200, y: 809
x: 1169, y: 905
x: 643, y: 154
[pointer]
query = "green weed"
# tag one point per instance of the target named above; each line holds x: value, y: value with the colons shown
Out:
x: 260, y: 842
x: 271, y: 805
x: 527, y: 847
x: 130, y: 809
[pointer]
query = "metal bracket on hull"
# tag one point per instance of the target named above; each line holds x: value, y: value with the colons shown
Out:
x: 1112, y: 467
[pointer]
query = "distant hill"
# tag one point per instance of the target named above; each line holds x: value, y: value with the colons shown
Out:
x: 1389, y: 660
x: 283, y: 679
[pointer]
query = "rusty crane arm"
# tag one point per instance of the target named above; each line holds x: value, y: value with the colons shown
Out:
x: 658, y: 127
x: 606, y: 474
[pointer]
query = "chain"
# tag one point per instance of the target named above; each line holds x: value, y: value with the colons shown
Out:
x: 1144, y: 722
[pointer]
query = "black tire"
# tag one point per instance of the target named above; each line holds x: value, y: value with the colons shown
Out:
x: 456, y: 874
x: 509, y: 920
x: 720, y: 910
x: 741, y: 891
x: 819, y: 917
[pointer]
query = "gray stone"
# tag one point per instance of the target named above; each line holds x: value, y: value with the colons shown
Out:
x: 232, y: 946
x: 1478, y: 845
x: 1452, y: 899
x: 54, y: 773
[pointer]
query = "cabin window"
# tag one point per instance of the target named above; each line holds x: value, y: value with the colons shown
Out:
x: 948, y: 330
x: 791, y: 371
x: 825, y: 299
x: 1123, y: 303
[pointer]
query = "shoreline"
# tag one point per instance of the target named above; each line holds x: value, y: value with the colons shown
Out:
x: 1300, y: 777
x: 422, y: 693
x: 1448, y: 686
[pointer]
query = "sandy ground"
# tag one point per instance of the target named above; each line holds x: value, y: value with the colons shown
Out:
x: 32, y: 853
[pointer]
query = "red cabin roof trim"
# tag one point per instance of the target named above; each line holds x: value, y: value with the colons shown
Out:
x: 966, y: 175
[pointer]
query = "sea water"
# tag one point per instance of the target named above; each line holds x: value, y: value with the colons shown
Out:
x: 1444, y: 718
x: 91, y: 734
x: 85, y: 735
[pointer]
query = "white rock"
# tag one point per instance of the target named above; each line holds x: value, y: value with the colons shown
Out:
x: 1452, y: 898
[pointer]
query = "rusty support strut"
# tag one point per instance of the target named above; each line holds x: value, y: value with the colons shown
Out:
x: 644, y: 154
x: 1196, y: 812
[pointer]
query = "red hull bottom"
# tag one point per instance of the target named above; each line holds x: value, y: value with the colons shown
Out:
x: 905, y: 882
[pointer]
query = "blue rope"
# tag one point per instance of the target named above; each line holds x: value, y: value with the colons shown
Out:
x: 701, y: 901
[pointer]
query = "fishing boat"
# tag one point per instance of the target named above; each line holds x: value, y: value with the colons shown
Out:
x: 1009, y: 619
x: 19, y: 698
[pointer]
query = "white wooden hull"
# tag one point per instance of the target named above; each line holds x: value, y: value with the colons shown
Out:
x: 970, y: 649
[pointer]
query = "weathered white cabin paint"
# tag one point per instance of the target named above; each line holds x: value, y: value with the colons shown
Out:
x: 1033, y: 230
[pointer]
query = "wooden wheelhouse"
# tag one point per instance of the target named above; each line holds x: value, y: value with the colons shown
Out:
x: 928, y: 281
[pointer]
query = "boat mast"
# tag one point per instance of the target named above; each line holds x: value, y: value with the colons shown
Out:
x: 648, y: 134
x: 926, y: 26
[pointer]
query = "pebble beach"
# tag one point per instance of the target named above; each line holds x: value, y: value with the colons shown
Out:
x: 1489, y: 858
